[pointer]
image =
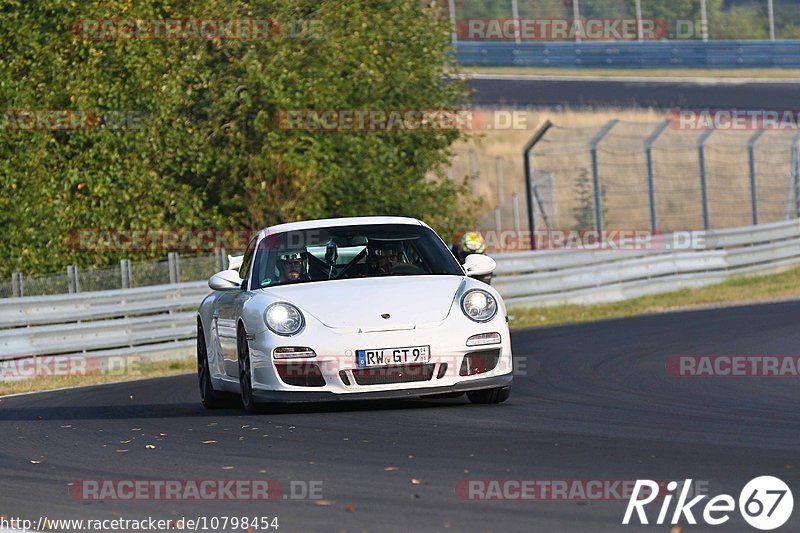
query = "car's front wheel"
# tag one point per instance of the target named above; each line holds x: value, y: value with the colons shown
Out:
x: 210, y: 398
x: 245, y: 372
x: 486, y: 396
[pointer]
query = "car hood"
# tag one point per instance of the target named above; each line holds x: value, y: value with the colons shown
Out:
x: 358, y: 304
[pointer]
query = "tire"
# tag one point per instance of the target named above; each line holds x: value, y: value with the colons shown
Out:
x: 487, y: 396
x: 245, y: 372
x: 210, y: 398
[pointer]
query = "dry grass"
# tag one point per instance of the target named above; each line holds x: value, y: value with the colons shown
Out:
x: 145, y: 370
x: 739, y: 290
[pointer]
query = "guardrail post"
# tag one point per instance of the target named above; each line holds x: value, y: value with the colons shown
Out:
x: 596, y: 189
x: 174, y: 268
x: 751, y: 160
x: 72, y: 279
x: 16, y: 284
x: 526, y: 163
x: 701, y: 152
x: 219, y: 259
x: 125, y: 273
x: 648, y: 153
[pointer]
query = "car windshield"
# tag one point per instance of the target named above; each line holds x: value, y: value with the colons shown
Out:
x: 349, y: 252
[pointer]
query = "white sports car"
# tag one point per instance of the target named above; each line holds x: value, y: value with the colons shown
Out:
x: 353, y: 308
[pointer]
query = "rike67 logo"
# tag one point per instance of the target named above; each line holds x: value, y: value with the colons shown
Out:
x: 766, y: 503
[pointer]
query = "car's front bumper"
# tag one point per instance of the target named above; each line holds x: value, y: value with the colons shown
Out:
x: 339, y: 377
x: 311, y: 395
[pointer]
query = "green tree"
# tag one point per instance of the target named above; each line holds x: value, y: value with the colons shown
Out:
x: 207, y: 151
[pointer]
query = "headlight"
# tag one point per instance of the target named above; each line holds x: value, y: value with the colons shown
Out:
x: 283, y: 319
x: 479, y: 305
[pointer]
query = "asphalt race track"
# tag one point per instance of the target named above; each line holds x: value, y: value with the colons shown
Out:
x: 663, y: 94
x: 596, y: 404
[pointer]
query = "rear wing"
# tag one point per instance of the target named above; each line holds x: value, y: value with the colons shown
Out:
x: 235, y: 261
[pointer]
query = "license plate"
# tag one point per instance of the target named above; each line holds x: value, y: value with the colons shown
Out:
x: 393, y: 356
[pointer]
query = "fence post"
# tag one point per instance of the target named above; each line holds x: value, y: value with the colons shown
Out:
x: 125, y: 273
x: 453, y: 21
x: 701, y: 153
x: 498, y: 168
x: 596, y: 190
x: 515, y: 208
x: 72, y: 279
x: 174, y: 268
x: 16, y: 285
x: 751, y: 159
x: 498, y: 219
x: 651, y: 190
x: 526, y: 163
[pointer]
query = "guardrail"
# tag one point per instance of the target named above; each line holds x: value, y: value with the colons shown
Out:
x: 632, y: 54
x: 586, y: 277
x: 159, y: 322
x: 154, y: 322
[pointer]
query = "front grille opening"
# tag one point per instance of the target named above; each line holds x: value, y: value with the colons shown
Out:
x: 344, y: 378
x: 393, y: 374
x: 479, y: 363
x: 300, y: 374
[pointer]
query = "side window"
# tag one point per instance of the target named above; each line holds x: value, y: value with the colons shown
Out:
x: 247, y: 261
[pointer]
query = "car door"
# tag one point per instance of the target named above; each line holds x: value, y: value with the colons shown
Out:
x: 227, y: 313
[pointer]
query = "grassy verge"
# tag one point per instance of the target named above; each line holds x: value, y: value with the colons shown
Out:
x: 739, y: 290
x: 144, y: 370
x: 768, y: 73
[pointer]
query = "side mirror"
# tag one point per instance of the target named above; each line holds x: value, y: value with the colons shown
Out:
x: 235, y: 261
x: 479, y: 265
x: 226, y: 280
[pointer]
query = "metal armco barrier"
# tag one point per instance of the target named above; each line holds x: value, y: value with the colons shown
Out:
x: 150, y: 320
x: 631, y: 54
x: 160, y: 321
x: 587, y: 277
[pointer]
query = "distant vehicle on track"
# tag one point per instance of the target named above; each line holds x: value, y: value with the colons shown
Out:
x: 352, y: 308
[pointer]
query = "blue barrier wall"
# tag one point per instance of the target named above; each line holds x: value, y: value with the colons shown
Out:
x: 660, y: 54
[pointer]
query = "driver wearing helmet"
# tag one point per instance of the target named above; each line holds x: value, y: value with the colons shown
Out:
x: 471, y: 242
x: 293, y: 266
x: 382, y: 257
